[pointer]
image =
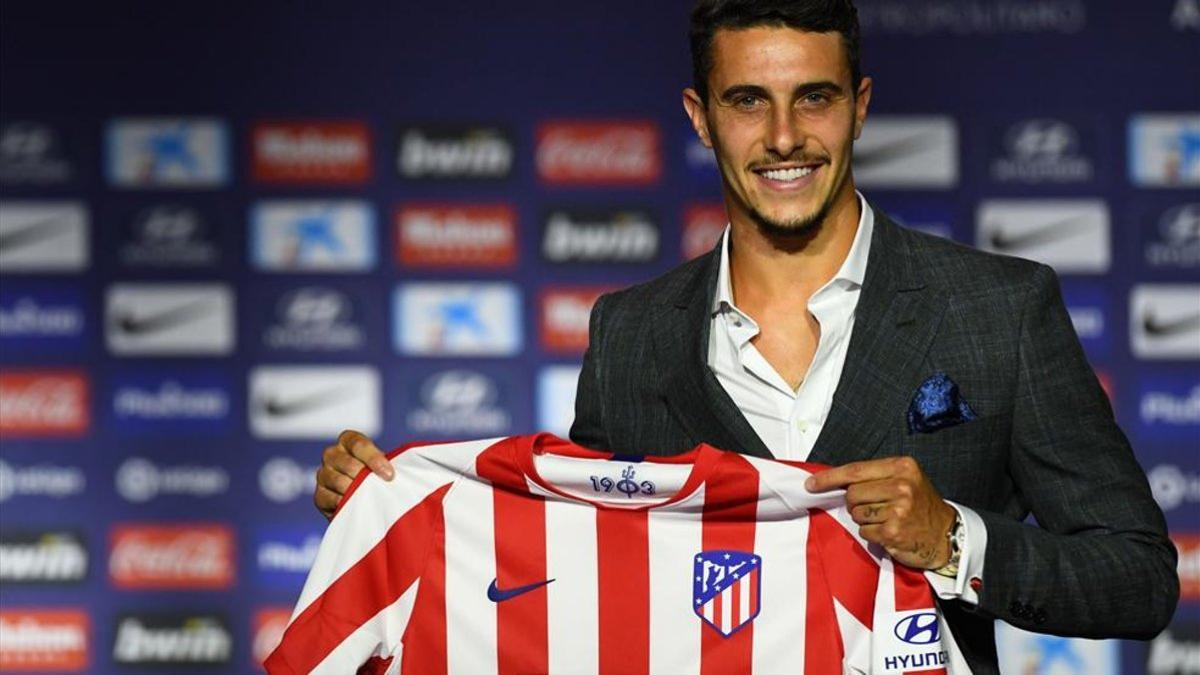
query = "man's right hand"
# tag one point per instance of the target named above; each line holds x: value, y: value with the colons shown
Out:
x: 341, y: 462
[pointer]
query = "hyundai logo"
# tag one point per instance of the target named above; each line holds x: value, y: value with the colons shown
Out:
x: 918, y: 629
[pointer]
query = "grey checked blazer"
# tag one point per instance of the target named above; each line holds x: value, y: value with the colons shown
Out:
x: 1044, y: 443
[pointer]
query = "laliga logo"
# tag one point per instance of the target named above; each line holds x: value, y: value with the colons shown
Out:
x: 918, y: 629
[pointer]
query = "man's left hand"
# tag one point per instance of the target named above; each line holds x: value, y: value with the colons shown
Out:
x: 895, y: 506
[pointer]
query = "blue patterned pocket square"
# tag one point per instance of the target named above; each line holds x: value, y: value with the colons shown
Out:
x: 937, y: 405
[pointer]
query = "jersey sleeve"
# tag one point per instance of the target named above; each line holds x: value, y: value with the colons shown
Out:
x: 359, y: 594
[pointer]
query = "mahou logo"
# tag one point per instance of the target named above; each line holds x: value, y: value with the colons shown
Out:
x: 311, y: 152
x: 44, y: 403
x: 472, y: 235
x: 703, y: 225
x: 269, y: 624
x: 605, y: 153
x: 565, y: 316
x: 44, y: 640
x: 172, y: 556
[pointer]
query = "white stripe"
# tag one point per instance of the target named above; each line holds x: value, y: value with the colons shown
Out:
x: 572, y: 601
x: 745, y: 588
x: 675, y: 539
x: 378, y: 636
x: 726, y: 622
x: 782, y: 547
x: 470, y: 569
x: 376, y: 505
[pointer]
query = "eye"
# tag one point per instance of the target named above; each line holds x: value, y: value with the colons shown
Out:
x: 746, y: 101
x: 815, y: 98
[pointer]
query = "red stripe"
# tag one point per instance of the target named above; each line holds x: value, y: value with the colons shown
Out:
x: 823, y: 647
x: 912, y: 590
x: 735, y: 599
x: 854, y: 574
x: 425, y: 639
x: 753, y: 581
x: 719, y: 611
x: 373, y: 583
x: 522, y: 637
x: 624, y: 588
x: 730, y: 506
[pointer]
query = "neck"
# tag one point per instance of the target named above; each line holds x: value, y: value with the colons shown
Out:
x: 766, y: 268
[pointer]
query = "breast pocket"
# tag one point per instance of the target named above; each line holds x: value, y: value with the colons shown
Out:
x: 964, y: 461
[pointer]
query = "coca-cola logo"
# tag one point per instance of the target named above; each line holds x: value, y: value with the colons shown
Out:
x: 599, y: 153
x: 172, y: 556
x: 43, y: 403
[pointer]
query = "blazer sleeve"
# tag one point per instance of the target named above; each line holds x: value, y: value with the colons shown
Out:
x: 588, y: 428
x: 1101, y: 564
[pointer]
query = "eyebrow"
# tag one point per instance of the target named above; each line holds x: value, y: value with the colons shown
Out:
x: 800, y: 91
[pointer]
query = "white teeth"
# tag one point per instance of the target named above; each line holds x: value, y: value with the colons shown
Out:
x: 788, y: 174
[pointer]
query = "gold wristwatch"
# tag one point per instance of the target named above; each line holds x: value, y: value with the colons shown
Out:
x: 957, y: 536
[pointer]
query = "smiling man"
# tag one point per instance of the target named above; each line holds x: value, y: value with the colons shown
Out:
x: 945, y: 385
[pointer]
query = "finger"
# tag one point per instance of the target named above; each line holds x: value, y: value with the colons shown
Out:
x: 886, y: 490
x: 364, y: 449
x: 333, y: 481
x: 868, y: 514
x: 848, y: 474
x: 337, y: 459
x: 326, y: 501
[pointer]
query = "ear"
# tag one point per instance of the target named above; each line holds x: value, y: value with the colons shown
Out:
x: 861, y: 102
x: 698, y: 114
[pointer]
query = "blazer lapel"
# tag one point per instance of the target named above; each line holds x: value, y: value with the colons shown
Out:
x: 895, y: 322
x: 691, y: 390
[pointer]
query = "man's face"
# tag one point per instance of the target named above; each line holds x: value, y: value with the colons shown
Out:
x: 782, y: 117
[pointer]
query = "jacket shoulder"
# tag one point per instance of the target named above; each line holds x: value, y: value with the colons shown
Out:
x: 960, y: 268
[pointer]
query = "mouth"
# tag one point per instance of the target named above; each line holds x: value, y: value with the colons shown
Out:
x: 787, y: 177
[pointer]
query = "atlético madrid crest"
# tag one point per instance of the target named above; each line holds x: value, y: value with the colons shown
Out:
x: 725, y: 589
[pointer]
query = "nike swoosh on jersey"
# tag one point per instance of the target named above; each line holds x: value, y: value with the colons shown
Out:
x: 1166, y: 328
x: 1043, y: 234
x: 886, y: 152
x: 33, y: 233
x: 285, y: 408
x: 496, y: 594
x: 131, y: 324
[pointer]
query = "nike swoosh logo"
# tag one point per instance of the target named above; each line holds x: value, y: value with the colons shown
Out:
x: 1043, y: 234
x: 131, y: 324
x: 886, y: 152
x: 276, y: 407
x: 495, y: 594
x: 1158, y: 328
x: 33, y: 233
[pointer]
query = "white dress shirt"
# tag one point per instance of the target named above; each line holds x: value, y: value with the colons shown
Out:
x: 788, y: 421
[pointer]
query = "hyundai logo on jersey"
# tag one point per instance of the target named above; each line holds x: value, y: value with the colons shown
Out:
x: 725, y: 589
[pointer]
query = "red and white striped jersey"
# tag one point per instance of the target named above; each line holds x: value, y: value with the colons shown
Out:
x: 533, y: 555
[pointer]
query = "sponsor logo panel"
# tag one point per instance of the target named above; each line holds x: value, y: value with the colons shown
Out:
x: 184, y: 402
x: 456, y: 235
x: 284, y: 555
x: 1164, y: 150
x: 928, y: 18
x: 44, y: 404
x: 33, y: 153
x: 1174, y: 486
x: 1169, y: 408
x: 455, y: 153
x: 175, y: 556
x: 460, y: 403
x: 51, y: 557
x: 1088, y: 306
x: 701, y: 161
x: 1188, y: 545
x: 703, y: 225
x: 170, y: 235
x: 283, y: 480
x: 1020, y: 651
x: 929, y: 217
x: 51, y: 481
x: 462, y: 319
x: 1043, y: 150
x: 313, y: 236
x: 42, y: 319
x: 269, y: 625
x: 1070, y: 235
x: 44, y: 640
x: 172, y: 640
x: 167, y: 153
x: 599, y: 153
x: 1176, y: 651
x: 1164, y: 321
x: 314, y: 319
x: 311, y: 152
x: 139, y: 480
x: 907, y: 152
x: 1186, y: 15
x: 556, y: 398
x: 169, y: 319
x: 600, y: 236
x: 1172, y: 238
x: 314, y: 402
x: 44, y: 237
x: 565, y: 313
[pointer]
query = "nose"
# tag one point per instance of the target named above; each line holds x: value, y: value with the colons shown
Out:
x: 784, y: 135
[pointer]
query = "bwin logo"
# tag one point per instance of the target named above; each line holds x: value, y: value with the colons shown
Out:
x: 918, y: 629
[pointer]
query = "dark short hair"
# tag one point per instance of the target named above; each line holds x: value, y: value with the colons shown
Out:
x: 816, y: 16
